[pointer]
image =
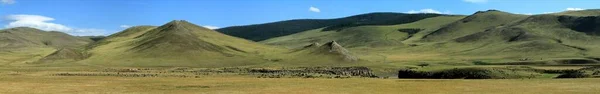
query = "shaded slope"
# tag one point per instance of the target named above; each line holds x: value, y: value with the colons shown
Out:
x: 177, y: 43
x: 478, y: 22
x: 366, y: 36
x: 125, y: 35
x: 589, y: 25
x: 94, y: 38
x: 64, y: 55
x: 265, y: 31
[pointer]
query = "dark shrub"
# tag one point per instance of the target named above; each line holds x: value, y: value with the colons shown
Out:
x: 576, y: 74
x: 413, y: 74
x: 480, y: 63
x: 465, y: 73
x: 423, y: 65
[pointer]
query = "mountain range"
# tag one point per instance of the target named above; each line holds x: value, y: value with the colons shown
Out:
x: 373, y: 39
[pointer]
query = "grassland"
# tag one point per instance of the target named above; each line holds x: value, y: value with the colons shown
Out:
x: 42, y: 80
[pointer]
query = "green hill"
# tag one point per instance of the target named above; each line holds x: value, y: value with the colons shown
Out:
x: 478, y: 22
x: 30, y: 37
x: 366, y: 36
x: 533, y: 38
x: 25, y: 45
x: 265, y: 31
x: 177, y: 43
x: 492, y: 35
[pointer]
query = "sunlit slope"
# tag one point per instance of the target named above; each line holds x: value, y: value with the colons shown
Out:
x: 537, y: 37
x: 366, y: 36
x: 30, y: 37
x: 487, y: 35
x: 177, y: 43
x: 23, y: 45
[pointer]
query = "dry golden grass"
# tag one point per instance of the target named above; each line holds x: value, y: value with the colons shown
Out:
x: 241, y: 84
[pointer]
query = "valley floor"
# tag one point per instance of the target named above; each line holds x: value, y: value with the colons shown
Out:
x: 19, y: 81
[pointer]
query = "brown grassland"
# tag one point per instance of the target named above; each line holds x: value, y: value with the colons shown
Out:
x: 15, y: 80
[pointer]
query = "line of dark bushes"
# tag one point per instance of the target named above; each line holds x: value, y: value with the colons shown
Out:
x: 463, y: 73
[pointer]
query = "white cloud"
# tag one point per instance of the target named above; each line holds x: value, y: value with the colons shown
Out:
x: 526, y: 13
x: 476, y: 1
x: 35, y: 21
x: 125, y: 26
x: 425, y: 11
x: 43, y: 23
x: 211, y: 27
x: 7, y: 1
x: 314, y: 9
x: 574, y: 9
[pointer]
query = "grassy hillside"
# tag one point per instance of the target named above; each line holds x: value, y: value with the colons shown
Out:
x: 478, y: 22
x: 493, y: 37
x: 27, y: 45
x: 366, y: 36
x: 177, y: 43
x: 30, y: 37
x: 490, y: 36
x: 265, y: 31
x: 530, y: 39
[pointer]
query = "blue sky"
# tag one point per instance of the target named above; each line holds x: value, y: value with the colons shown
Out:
x: 104, y: 17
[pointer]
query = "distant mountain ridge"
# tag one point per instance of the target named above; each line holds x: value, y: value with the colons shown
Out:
x: 30, y: 37
x: 259, y: 32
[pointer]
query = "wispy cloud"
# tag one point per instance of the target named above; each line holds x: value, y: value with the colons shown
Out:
x: 574, y: 9
x: 44, y: 23
x: 476, y: 1
x: 125, y: 26
x: 7, y: 1
x: 314, y: 9
x: 211, y: 27
x: 427, y: 11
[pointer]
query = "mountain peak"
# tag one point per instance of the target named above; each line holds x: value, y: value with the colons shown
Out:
x: 184, y: 23
x: 178, y: 22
